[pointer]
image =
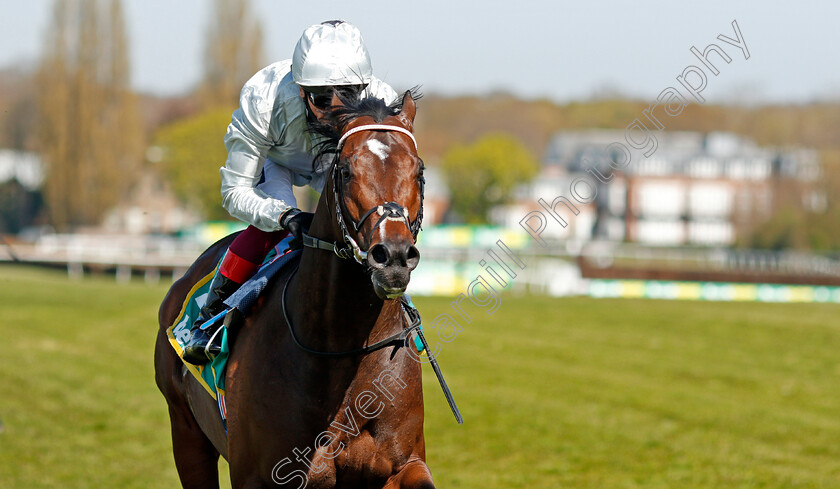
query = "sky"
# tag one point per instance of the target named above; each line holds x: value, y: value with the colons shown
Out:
x: 558, y: 50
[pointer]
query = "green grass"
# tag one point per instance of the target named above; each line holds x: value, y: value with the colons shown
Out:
x: 556, y: 392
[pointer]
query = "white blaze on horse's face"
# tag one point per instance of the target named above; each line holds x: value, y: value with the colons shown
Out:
x: 379, y: 185
x: 378, y: 148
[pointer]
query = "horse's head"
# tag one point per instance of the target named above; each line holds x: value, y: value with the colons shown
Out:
x: 377, y: 189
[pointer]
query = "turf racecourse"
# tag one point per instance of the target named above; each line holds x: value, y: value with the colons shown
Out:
x: 556, y: 393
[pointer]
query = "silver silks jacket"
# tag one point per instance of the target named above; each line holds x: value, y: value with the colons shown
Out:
x: 270, y: 128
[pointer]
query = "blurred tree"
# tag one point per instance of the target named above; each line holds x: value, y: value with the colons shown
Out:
x: 91, y: 136
x: 233, y: 51
x: 193, y: 150
x: 785, y: 230
x: 792, y: 228
x: 17, y: 109
x: 795, y: 225
x: 483, y: 174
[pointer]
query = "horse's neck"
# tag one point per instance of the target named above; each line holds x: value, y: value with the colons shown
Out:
x: 331, y: 300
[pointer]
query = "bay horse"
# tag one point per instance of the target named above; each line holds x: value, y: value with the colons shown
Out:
x: 298, y: 419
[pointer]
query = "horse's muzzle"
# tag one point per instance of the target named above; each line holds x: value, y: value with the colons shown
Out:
x: 391, y: 263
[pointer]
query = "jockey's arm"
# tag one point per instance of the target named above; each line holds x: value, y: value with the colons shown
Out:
x: 248, y: 143
x: 249, y: 137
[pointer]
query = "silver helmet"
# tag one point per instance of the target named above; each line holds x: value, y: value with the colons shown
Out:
x: 331, y: 53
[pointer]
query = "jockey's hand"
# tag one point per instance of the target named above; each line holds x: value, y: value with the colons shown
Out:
x: 296, y: 222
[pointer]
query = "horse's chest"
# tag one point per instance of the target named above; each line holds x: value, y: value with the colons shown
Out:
x: 363, y: 446
x: 360, y: 460
x: 358, y: 440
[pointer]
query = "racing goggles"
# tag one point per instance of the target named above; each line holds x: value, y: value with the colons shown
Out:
x: 321, y: 97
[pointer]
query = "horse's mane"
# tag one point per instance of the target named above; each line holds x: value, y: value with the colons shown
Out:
x: 331, y: 128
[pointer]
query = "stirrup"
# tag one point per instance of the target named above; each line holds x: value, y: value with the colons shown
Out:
x: 207, y: 353
x: 196, y: 354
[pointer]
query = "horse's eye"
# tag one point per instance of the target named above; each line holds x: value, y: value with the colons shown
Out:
x: 345, y: 173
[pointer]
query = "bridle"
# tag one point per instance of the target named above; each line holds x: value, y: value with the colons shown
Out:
x: 388, y: 211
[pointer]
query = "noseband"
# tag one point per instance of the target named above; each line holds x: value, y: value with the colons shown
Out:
x: 388, y: 211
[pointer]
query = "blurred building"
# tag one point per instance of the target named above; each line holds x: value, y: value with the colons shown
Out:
x: 697, y: 189
x: 21, y: 196
x: 436, y: 198
x: 151, y: 207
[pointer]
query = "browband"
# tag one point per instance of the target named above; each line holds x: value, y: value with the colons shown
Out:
x: 376, y: 127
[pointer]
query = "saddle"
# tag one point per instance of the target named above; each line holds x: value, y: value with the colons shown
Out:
x: 211, y: 375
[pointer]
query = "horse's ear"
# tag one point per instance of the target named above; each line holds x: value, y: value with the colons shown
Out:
x: 409, y: 110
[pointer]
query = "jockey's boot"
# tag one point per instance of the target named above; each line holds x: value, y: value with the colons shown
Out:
x: 196, y: 351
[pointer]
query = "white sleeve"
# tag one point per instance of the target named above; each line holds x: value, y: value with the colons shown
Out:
x: 277, y: 183
x: 247, y: 141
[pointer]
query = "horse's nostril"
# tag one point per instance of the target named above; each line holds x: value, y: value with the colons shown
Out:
x: 413, y: 253
x: 412, y: 257
x: 379, y: 254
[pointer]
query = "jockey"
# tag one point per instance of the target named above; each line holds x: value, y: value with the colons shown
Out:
x: 270, y: 149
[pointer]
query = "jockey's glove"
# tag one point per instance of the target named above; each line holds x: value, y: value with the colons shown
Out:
x: 296, y: 222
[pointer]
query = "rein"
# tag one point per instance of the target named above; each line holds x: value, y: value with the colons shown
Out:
x: 398, y: 339
x: 387, y: 211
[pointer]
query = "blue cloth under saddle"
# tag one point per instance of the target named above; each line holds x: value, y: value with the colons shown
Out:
x: 250, y: 291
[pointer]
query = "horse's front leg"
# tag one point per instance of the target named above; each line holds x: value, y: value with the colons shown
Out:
x: 415, y: 475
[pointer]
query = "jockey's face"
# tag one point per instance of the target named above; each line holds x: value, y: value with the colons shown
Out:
x: 319, y: 99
